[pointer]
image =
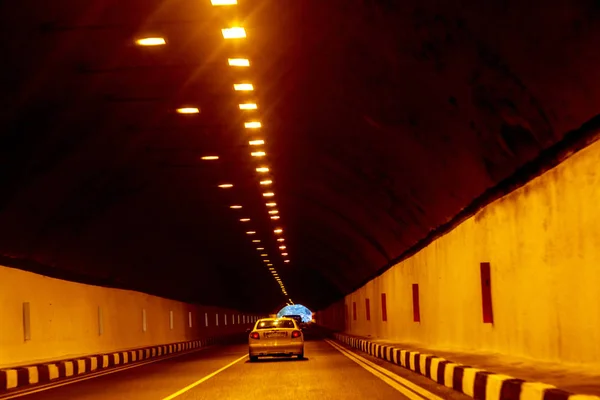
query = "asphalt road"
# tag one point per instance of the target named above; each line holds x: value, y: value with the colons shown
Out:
x: 328, y: 372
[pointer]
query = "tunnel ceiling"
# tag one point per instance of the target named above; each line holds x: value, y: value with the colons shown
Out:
x: 382, y: 120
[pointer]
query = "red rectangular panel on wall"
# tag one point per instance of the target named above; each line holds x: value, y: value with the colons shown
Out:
x: 368, y: 309
x: 383, y: 307
x: 354, y: 310
x: 416, y: 308
x: 486, y: 293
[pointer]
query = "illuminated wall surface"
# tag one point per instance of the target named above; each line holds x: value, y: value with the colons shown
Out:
x: 541, y: 300
x: 296, y: 309
x: 45, y: 319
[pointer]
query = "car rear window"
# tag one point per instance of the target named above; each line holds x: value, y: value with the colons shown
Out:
x: 275, y: 324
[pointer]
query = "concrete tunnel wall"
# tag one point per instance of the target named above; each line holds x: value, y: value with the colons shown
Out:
x: 542, y: 243
x: 68, y: 319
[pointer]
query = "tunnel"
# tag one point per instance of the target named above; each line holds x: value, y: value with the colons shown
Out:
x: 423, y: 176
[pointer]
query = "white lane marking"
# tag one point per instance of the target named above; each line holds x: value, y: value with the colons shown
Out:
x: 207, y: 377
x: 51, y: 385
x: 406, y: 387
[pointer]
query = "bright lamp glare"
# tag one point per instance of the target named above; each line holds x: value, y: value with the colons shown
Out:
x: 248, y: 106
x: 262, y: 169
x: 258, y: 154
x: 151, y: 41
x: 243, y: 86
x: 256, y: 142
x: 238, y: 62
x: 252, y: 125
x: 226, y: 185
x: 234, y: 33
x: 188, y: 110
x: 223, y: 2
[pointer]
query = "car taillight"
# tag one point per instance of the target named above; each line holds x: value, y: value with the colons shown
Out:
x: 295, y: 334
x: 254, y: 335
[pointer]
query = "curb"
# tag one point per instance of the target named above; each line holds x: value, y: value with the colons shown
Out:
x: 476, y: 383
x: 20, y: 377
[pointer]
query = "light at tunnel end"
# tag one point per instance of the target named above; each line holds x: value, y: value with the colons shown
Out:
x: 296, y: 309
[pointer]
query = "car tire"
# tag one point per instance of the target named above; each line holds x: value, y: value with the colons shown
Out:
x: 253, y: 358
x: 301, y: 355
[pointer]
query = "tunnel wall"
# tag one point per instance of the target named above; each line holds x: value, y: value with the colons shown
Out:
x: 64, y: 319
x: 542, y: 243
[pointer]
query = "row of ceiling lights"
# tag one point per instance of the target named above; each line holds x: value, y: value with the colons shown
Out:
x: 240, y: 33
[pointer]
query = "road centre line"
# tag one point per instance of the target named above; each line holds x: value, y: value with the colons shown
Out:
x: 207, y: 377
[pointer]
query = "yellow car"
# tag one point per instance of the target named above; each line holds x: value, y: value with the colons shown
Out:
x: 275, y: 337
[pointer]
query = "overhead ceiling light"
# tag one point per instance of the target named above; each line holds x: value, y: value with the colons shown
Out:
x: 252, y: 125
x: 210, y: 158
x: 269, y: 194
x: 284, y: 254
x: 271, y: 269
x: 256, y: 241
x: 267, y: 182
x: 273, y: 212
x: 264, y: 255
x: 260, y: 248
x: 251, y: 232
x: 244, y: 219
x: 267, y: 261
x: 188, y: 110
x: 223, y: 2
x: 258, y: 154
x: 238, y: 62
x: 226, y: 185
x: 248, y: 106
x: 274, y: 216
x: 271, y: 204
x: 236, y: 32
x: 281, y: 240
x: 278, y: 230
x: 269, y: 265
x: 262, y: 169
x: 235, y: 206
x: 151, y: 41
x: 243, y: 87
x: 256, y: 142
x: 282, y: 247
x: 286, y: 261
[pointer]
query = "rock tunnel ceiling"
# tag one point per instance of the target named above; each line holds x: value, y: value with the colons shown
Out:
x: 384, y: 119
